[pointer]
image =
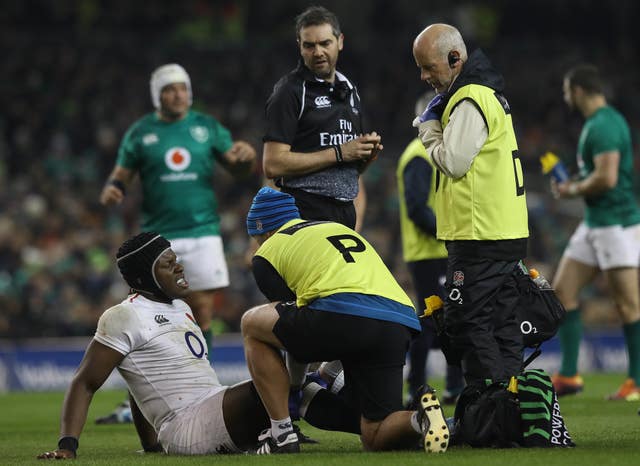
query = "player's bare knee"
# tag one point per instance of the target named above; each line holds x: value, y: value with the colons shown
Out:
x: 247, y: 322
x: 257, y: 320
x: 628, y: 313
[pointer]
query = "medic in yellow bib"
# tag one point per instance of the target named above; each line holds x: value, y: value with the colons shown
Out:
x: 480, y: 201
x: 332, y: 298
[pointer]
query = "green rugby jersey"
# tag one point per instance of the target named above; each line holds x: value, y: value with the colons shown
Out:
x: 176, y: 162
x: 604, y: 131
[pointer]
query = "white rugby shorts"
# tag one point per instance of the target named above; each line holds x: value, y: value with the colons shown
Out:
x: 205, y: 267
x: 198, y: 429
x: 605, y: 247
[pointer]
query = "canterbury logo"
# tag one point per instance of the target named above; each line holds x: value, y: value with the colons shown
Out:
x: 161, y: 319
x: 322, y: 101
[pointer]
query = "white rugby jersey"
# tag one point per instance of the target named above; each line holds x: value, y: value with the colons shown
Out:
x: 165, y: 365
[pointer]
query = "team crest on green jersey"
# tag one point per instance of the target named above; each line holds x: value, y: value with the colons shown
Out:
x: 199, y: 133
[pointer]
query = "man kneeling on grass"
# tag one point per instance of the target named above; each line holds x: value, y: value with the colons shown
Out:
x: 152, y: 338
x: 345, y: 306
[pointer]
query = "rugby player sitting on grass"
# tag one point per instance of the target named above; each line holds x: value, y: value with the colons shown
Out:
x: 152, y: 338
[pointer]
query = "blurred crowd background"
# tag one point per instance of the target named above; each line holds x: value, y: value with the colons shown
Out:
x: 75, y: 73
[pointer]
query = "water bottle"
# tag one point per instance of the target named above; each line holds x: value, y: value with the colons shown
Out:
x: 523, y: 268
x: 551, y: 164
x: 539, y: 280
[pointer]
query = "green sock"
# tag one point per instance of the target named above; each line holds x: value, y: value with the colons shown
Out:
x: 208, y: 338
x: 570, y: 333
x: 632, y: 340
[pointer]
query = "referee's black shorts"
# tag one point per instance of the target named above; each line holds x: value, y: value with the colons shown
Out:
x: 317, y: 207
x: 372, y: 353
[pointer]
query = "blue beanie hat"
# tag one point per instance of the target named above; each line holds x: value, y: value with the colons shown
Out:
x: 270, y: 210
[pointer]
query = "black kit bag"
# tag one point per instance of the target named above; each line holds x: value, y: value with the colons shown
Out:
x: 487, y: 416
x: 525, y: 413
x: 539, y: 312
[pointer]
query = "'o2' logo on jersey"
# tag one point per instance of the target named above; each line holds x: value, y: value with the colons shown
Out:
x: 194, y: 344
x: 177, y: 159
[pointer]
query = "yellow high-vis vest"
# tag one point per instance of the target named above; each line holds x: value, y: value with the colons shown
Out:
x: 488, y: 202
x: 320, y: 259
x: 416, y: 244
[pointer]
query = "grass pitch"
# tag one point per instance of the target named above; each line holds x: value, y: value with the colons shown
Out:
x: 606, y: 433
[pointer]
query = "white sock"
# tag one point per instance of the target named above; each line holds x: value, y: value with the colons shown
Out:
x: 281, y: 426
x: 331, y: 369
x: 414, y: 422
x: 338, y: 383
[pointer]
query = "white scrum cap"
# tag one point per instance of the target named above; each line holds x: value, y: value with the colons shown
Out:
x: 165, y: 75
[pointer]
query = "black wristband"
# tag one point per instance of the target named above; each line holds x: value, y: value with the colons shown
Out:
x: 118, y: 184
x: 338, y: 150
x: 68, y: 443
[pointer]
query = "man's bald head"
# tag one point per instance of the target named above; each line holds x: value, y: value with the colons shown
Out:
x: 442, y: 38
x: 432, y: 49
